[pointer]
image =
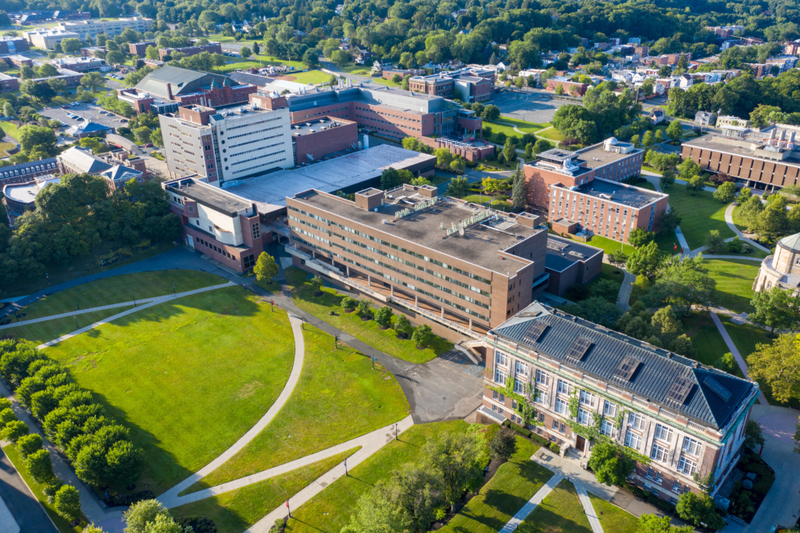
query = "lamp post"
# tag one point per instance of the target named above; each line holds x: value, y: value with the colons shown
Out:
x: 395, y: 431
x: 77, y: 304
x: 345, y: 468
x: 173, y: 287
x: 288, y: 509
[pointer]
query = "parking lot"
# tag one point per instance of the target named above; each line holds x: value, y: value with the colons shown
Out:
x: 530, y: 105
x: 88, y: 112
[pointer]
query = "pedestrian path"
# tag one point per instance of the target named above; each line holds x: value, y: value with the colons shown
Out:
x: 532, y: 504
x: 266, y: 523
x: 171, y: 495
x: 588, y: 508
x: 738, y: 232
x: 155, y: 301
x: 74, y: 313
x: 735, y: 351
x: 623, y: 299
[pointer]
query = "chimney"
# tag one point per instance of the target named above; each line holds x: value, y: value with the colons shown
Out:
x: 169, y: 91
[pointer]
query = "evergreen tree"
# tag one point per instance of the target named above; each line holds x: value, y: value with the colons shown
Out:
x: 519, y: 192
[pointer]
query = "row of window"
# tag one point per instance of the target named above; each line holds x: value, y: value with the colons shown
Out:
x: 261, y: 156
x: 249, y: 124
x: 214, y: 247
x: 250, y: 133
x: 260, y: 165
x: 259, y: 139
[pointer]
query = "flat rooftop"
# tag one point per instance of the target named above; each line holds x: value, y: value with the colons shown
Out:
x: 562, y: 253
x: 209, y: 196
x: 315, y: 126
x: 596, y: 156
x: 327, y: 176
x: 479, y: 245
x: 717, y: 143
x: 25, y: 193
x: 620, y: 193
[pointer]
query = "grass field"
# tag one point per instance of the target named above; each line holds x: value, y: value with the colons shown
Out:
x: 550, y: 133
x: 609, y: 272
x: 10, y: 129
x: 366, y: 331
x: 37, y: 489
x: 605, y: 244
x: 734, y: 279
x: 334, y: 386
x: 187, y: 377
x: 329, y: 511
x: 235, y: 511
x: 310, y: 77
x: 506, y: 125
x: 4, y: 149
x: 705, y: 337
x: 511, y: 487
x: 123, y: 288
x: 700, y: 214
x: 560, y: 512
x: 51, y: 329
x: 612, y: 518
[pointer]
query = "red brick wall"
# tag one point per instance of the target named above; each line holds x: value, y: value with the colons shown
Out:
x: 324, y: 142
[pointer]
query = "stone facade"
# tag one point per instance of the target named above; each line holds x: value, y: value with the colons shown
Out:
x: 781, y: 269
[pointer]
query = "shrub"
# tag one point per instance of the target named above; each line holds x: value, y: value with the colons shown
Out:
x: 29, y: 444
x: 384, y: 316
x: 422, y: 336
x: 364, y: 308
x: 555, y: 448
x: 51, y: 489
x: 68, y: 502
x: 349, y: 303
x: 14, y: 430
x: 735, y: 246
x: 40, y: 466
x: 6, y: 416
x: 402, y: 325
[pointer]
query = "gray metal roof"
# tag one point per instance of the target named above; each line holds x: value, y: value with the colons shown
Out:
x: 83, y: 160
x: 791, y: 243
x: 657, y: 371
x: 183, y: 81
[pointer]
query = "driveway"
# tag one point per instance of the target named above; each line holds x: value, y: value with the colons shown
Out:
x: 530, y: 105
x: 26, y: 509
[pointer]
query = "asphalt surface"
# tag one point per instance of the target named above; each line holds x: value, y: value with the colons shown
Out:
x: 23, y: 505
x: 88, y: 112
x: 531, y: 105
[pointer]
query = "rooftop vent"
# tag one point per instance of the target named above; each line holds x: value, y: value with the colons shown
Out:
x: 578, y: 349
x: 626, y: 368
x: 717, y: 388
x: 679, y: 390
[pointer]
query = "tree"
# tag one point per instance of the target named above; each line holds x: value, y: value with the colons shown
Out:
x: 142, y: 135
x: 502, y: 446
x: 349, y: 303
x: 645, y: 261
x: 422, y: 336
x: 245, y: 52
x: 266, y: 268
x: 402, y: 325
x: 699, y: 509
x: 340, y: 58
x: 443, y: 157
x: 71, y: 46
x: 491, y: 113
x: 151, y: 52
x: 675, y: 130
x: 377, y: 511
x: 125, y: 462
x: 726, y: 192
x: 364, y: 308
x: 650, y: 523
x: 777, y: 365
x: 772, y: 221
x: 458, y: 187
x: 609, y: 464
x: 753, y: 436
x: 714, y: 242
x: 68, y: 502
x: 383, y: 317
x: 90, y: 464
x: 597, y: 310
x: 115, y: 57
x: 695, y: 184
x: 8, y: 109
x: 92, y: 81
x: 775, y: 309
x: 29, y: 444
x: 510, y: 151
x: 519, y: 190
x: 39, y: 466
x: 635, y: 140
x: 541, y: 145
x: 682, y: 284
x: 311, y: 58
x: 667, y: 179
x: 455, y: 456
x: 141, y: 515
x: 647, y: 139
x: 639, y: 237
x: 40, y: 90
x: 13, y: 430
x: 37, y: 138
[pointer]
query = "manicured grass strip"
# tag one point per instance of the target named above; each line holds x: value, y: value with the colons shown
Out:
x: 612, y: 518
x: 365, y: 331
x: 52, y: 329
x: 339, y: 397
x: 734, y: 279
x: 122, y: 288
x: 37, y: 489
x: 550, y: 133
x: 705, y: 337
x: 506, y: 125
x: 187, y: 377
x: 560, y: 512
x: 10, y: 129
x: 479, y: 199
x: 511, y: 487
x: 330, y: 510
x: 700, y: 214
x: 609, y: 272
x: 605, y: 244
x: 312, y: 76
x: 235, y: 511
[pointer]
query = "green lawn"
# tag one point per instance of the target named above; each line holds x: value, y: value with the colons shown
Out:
x: 560, y: 512
x: 235, y: 511
x: 312, y: 77
x: 123, y: 288
x: 329, y: 511
x: 734, y: 279
x: 52, y: 329
x: 608, y: 272
x: 511, y: 487
x: 705, y: 337
x: 506, y: 125
x: 4, y: 149
x: 37, y: 489
x: 550, y: 133
x: 366, y: 331
x: 700, y: 214
x: 188, y: 377
x: 382, y: 81
x: 738, y: 221
x: 605, y: 244
x: 479, y: 199
x: 339, y: 397
x: 612, y: 518
x: 10, y: 129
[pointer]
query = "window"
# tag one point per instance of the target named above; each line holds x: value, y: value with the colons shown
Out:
x: 256, y: 230
x: 609, y: 409
x: 541, y: 417
x: 542, y: 378
x: 499, y: 376
x: 502, y: 359
x: 691, y: 446
x: 686, y: 466
x: 659, y: 453
x: 607, y: 428
x: 584, y: 417
x: 249, y: 261
x: 540, y: 396
x: 519, y: 386
x: 676, y: 487
x: 563, y: 387
x: 654, y: 475
x: 663, y: 433
x: 632, y: 440
x: 521, y: 369
x: 561, y: 406
x: 555, y: 424
x: 587, y: 398
x: 635, y: 420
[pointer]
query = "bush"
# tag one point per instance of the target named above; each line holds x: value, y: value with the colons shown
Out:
x: 349, y: 303
x: 40, y: 466
x: 555, y: 448
x: 29, y: 444
x: 68, y: 502
x: 14, y: 430
x: 364, y: 308
x: 199, y: 524
x: 519, y: 429
x: 115, y: 500
x: 422, y: 336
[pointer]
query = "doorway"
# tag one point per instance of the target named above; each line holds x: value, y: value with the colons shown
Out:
x: 580, y: 443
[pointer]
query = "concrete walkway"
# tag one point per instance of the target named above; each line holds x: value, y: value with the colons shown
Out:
x: 171, y: 495
x: 738, y: 232
x: 266, y: 523
x: 729, y: 342
x: 72, y: 313
x: 153, y: 302
x: 625, y: 291
x: 588, y: 508
x: 532, y: 504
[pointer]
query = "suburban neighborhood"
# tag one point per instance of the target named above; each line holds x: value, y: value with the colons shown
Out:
x: 404, y: 266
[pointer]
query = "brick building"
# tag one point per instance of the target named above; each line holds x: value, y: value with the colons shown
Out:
x: 569, y: 87
x: 581, y: 190
x: 218, y: 223
x: 140, y: 49
x: 8, y: 83
x: 765, y: 160
x: 13, y: 45
x: 469, y: 150
x: 469, y: 84
x: 445, y: 262
x: 27, y: 172
x: 688, y: 419
x: 569, y: 263
x: 189, y: 87
x: 313, y: 141
x: 211, y: 48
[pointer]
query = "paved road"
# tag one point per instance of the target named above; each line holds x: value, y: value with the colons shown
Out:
x: 26, y: 509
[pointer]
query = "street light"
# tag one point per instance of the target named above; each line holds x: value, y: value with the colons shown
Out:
x: 173, y: 287
x: 345, y: 468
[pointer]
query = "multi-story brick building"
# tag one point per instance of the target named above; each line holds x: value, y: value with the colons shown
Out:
x: 92, y: 28
x: 468, y: 84
x: 226, y: 145
x: 8, y: 83
x: 13, y: 45
x: 218, y: 223
x: 446, y: 262
x: 584, y: 379
x: 27, y: 172
x: 315, y: 140
x: 140, y: 49
x: 765, y: 160
x: 569, y: 87
x: 211, y: 48
x: 189, y: 87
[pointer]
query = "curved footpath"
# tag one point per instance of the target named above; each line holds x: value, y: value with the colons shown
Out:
x: 738, y: 232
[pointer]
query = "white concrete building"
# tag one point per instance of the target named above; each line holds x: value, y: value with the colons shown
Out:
x: 226, y: 145
x: 91, y: 28
x: 46, y: 39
